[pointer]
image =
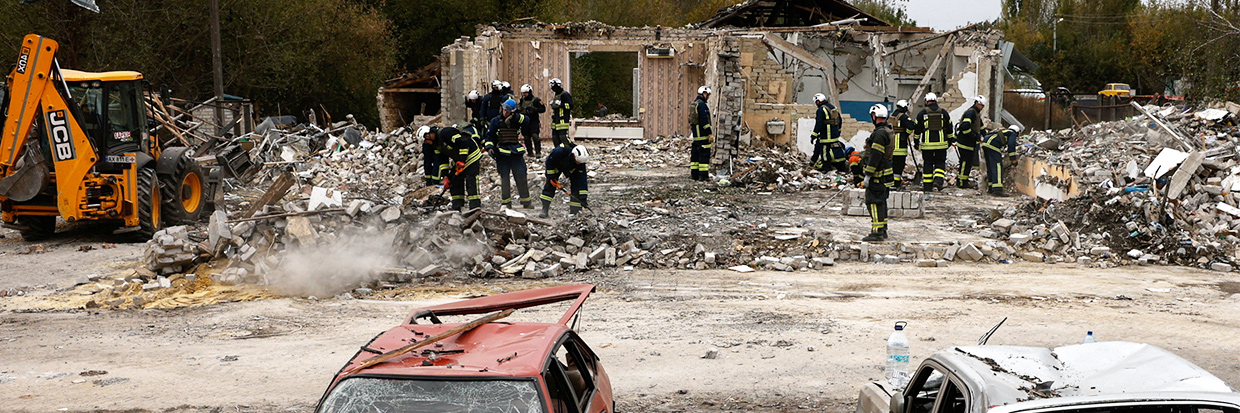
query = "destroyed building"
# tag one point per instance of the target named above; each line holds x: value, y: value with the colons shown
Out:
x: 765, y: 61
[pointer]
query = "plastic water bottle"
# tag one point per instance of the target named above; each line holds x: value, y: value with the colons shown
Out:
x: 896, y: 371
x: 1089, y: 337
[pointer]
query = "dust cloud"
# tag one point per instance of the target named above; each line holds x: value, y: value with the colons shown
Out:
x: 330, y: 268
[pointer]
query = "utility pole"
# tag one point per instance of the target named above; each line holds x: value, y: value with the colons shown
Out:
x: 1054, y: 34
x: 217, y: 67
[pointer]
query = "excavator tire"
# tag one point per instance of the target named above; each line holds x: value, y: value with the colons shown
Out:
x: 149, y: 205
x: 183, y: 192
x: 41, y: 227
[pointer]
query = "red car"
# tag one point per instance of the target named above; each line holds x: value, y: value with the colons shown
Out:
x: 482, y: 366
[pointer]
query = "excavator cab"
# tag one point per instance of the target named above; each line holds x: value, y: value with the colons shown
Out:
x: 76, y: 145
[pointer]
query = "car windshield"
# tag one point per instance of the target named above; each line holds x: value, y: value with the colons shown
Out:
x: 1122, y: 87
x: 368, y: 394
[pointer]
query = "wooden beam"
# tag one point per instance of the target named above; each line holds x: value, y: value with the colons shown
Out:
x: 414, y: 346
x: 934, y: 67
x: 923, y: 40
x: 803, y: 55
x: 410, y: 90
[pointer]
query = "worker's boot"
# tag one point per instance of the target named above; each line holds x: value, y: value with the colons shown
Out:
x: 965, y: 184
x: 527, y: 205
x: 998, y: 191
x: 883, y: 231
x: 874, y: 237
x: 574, y: 210
x: 546, y: 212
x: 927, y: 187
x: 938, y: 183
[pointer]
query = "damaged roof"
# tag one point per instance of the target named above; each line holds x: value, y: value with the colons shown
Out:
x: 788, y: 13
x: 1012, y: 374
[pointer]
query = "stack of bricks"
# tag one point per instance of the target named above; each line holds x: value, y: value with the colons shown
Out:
x: 900, y: 204
x: 731, y: 87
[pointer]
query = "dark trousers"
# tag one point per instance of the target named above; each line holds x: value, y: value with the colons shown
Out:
x: 897, y: 169
x: 577, y: 187
x: 465, y: 187
x: 430, y: 166
x: 968, y: 161
x: 933, y: 170
x: 559, y: 137
x: 533, y: 144
x: 831, y: 157
x: 994, y: 167
x: 876, y: 204
x: 699, y: 159
x: 512, y: 166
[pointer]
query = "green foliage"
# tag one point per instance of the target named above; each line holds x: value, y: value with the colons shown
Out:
x: 606, y: 78
x: 286, y: 55
x: 890, y: 11
x: 1142, y: 43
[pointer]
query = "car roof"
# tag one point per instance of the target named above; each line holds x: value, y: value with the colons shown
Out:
x: 79, y: 76
x: 1225, y: 399
x: 1010, y: 374
x: 493, y: 349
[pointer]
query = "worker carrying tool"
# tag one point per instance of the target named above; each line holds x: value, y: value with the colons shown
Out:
x: 503, y: 141
x: 933, y: 128
x: 968, y: 132
x: 532, y: 107
x: 994, y: 146
x: 433, y: 161
x: 474, y: 102
x: 461, y: 163
x: 699, y: 125
x: 901, y: 126
x: 561, y: 114
x: 828, y: 150
x: 570, y: 162
x: 879, y: 150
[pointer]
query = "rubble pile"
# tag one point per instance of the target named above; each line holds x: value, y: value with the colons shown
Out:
x: 1147, y: 193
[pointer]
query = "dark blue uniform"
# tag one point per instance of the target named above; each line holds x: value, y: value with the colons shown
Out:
x: 561, y: 162
x: 561, y: 117
x: 460, y: 147
x: 503, y: 141
x: 967, y: 136
x: 828, y: 150
x: 699, y: 154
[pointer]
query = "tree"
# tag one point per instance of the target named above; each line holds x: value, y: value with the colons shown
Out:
x: 890, y: 11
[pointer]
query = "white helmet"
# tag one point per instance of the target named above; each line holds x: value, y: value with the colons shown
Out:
x: 473, y: 95
x: 556, y: 82
x: 526, y: 88
x: 931, y: 97
x: 704, y: 89
x: 507, y: 85
x: 902, y: 104
x: 496, y: 85
x: 580, y: 154
x: 1014, y: 128
x: 820, y: 98
x: 980, y: 99
x: 422, y: 131
x: 879, y: 111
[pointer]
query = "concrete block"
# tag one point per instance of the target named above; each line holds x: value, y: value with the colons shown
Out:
x: 1019, y: 238
x: 969, y: 252
x: 1003, y: 224
x: 1100, y: 251
x: 390, y: 214
x: 709, y: 258
x: 926, y: 263
x: 1220, y: 266
x: 1032, y: 256
x: 1083, y: 260
x: 576, y: 242
x: 428, y: 270
x: 950, y: 254
x: 597, y: 255
x: 824, y: 261
x: 609, y: 257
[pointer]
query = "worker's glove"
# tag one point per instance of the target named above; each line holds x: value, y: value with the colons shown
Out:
x: 864, y: 183
x: 460, y: 167
x: 446, y: 183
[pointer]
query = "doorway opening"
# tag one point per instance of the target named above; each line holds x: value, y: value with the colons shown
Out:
x: 605, y: 78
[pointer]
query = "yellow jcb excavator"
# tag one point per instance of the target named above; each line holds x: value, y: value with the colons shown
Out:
x: 76, y: 145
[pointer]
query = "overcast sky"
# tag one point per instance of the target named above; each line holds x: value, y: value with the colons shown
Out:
x: 950, y: 14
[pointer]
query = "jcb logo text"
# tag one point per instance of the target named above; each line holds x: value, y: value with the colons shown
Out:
x: 62, y: 139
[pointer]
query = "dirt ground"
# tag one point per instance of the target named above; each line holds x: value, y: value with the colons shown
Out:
x: 787, y: 341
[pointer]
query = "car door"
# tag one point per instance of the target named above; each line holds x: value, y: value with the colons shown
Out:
x: 932, y: 390
x: 572, y: 378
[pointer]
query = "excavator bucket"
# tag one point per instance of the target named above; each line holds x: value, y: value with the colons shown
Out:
x: 27, y: 182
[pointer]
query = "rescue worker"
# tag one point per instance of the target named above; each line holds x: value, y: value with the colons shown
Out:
x: 461, y: 163
x: 432, y: 160
x: 561, y: 114
x: 491, y: 103
x: 828, y: 150
x: 572, y: 163
x: 933, y: 128
x: 474, y: 103
x: 503, y: 141
x: 994, y: 145
x: 699, y: 124
x: 508, y: 93
x: 902, y: 126
x: 878, y: 150
x: 531, y: 106
x: 968, y: 133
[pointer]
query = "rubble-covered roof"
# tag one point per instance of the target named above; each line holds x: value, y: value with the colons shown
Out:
x: 1011, y: 374
x: 785, y: 13
x: 425, y: 76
